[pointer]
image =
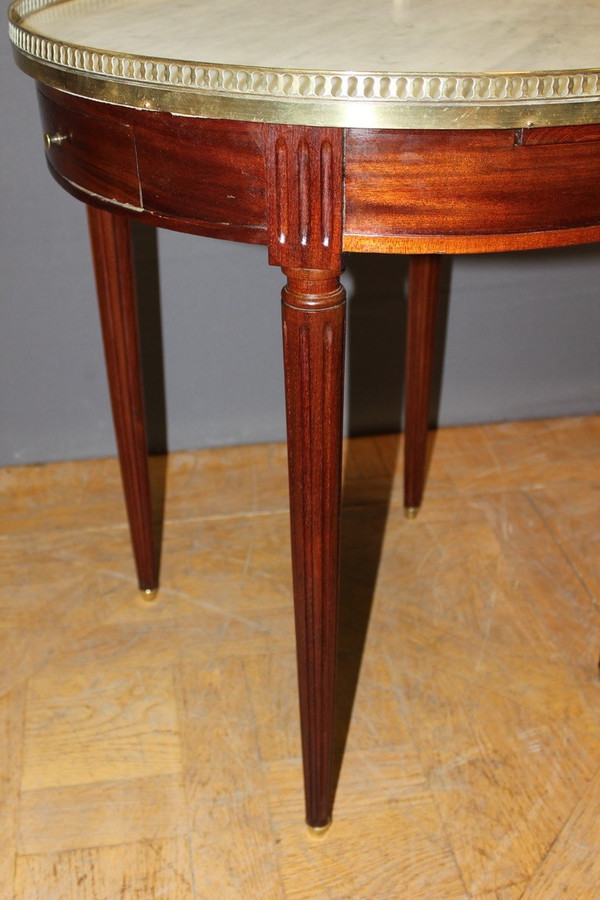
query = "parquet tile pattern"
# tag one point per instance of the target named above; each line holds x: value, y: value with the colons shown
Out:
x: 151, y: 749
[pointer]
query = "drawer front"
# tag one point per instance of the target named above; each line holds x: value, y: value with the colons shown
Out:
x: 461, y: 183
x: 96, y: 154
x: 203, y: 170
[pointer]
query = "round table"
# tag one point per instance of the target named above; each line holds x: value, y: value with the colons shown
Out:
x: 315, y: 128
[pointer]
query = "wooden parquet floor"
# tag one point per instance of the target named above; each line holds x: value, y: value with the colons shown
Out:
x: 151, y: 749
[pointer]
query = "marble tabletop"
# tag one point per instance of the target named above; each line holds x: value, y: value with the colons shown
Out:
x: 394, y: 63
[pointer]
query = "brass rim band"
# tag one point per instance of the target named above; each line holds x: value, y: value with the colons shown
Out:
x: 335, y: 99
x: 325, y: 113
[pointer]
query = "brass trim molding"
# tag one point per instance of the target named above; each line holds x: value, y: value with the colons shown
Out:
x: 353, y: 99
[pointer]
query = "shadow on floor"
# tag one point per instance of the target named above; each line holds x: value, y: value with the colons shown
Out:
x: 375, y: 391
x: 376, y: 350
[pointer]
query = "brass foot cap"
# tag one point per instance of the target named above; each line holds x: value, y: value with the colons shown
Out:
x: 149, y: 594
x: 411, y: 512
x: 318, y: 831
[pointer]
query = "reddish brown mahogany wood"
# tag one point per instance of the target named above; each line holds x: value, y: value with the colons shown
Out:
x: 304, y: 202
x: 464, y: 191
x: 97, y: 153
x: 202, y: 168
x: 199, y: 176
x: 558, y: 134
x: 305, y: 191
x: 111, y: 250
x: 406, y: 191
x: 423, y: 289
x: 313, y: 338
x: 422, y: 192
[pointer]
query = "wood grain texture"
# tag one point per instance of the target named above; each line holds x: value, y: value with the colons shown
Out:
x: 305, y: 196
x: 202, y: 169
x: 405, y: 191
x: 105, y: 813
x: 98, y: 151
x: 305, y: 199
x: 199, y: 176
x: 564, y: 134
x: 143, y: 738
x: 151, y: 868
x: 113, y: 267
x: 313, y: 341
x: 12, y: 717
x: 465, y: 191
x: 471, y: 763
x: 573, y: 859
x: 460, y: 597
x: 423, y: 289
x: 571, y: 512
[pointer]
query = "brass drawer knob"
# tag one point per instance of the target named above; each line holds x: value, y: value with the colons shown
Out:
x: 55, y: 140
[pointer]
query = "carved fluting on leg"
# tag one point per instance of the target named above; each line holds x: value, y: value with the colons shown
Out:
x: 111, y: 251
x: 313, y: 333
x: 305, y: 196
x: 305, y: 203
x: 423, y: 289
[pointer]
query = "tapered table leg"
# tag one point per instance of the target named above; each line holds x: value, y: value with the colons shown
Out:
x: 113, y: 266
x: 423, y: 289
x: 313, y: 331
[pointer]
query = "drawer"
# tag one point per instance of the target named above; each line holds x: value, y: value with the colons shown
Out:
x: 407, y: 185
x: 203, y: 170
x: 96, y: 154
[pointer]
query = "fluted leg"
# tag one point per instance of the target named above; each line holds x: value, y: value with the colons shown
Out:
x: 111, y: 251
x: 313, y: 332
x: 423, y: 289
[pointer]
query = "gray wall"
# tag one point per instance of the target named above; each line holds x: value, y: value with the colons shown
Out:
x: 521, y: 329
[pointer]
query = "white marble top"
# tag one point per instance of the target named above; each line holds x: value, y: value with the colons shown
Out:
x: 380, y: 54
